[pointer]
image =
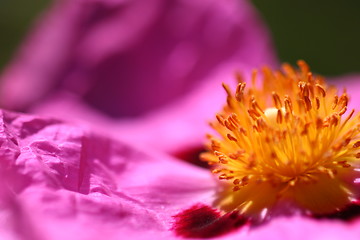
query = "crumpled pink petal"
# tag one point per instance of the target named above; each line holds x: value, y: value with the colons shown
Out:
x: 63, y: 182
x: 126, y: 58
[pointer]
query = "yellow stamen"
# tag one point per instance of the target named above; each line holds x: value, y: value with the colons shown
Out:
x: 292, y: 139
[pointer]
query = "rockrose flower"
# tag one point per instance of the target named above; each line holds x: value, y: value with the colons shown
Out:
x: 290, y: 144
x: 148, y: 74
x: 286, y: 156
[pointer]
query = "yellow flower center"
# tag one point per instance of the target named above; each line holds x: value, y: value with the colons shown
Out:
x: 291, y: 139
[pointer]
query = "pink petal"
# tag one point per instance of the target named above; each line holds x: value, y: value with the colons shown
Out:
x: 182, y: 125
x: 298, y: 228
x: 351, y: 83
x: 126, y: 58
x: 62, y: 182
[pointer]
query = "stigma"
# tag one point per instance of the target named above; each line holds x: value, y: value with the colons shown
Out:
x: 289, y: 140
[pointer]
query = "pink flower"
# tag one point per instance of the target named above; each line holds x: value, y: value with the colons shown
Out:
x: 107, y: 65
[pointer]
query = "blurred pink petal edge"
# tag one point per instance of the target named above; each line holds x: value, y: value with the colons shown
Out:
x: 99, y: 68
x: 129, y: 57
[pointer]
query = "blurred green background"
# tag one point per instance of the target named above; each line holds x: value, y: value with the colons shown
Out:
x: 16, y: 16
x: 324, y: 33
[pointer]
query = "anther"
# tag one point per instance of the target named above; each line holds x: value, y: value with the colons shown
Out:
x: 218, y: 154
x: 349, y: 116
x: 256, y: 106
x: 343, y: 101
x: 220, y: 119
x: 225, y: 177
x: 223, y: 160
x: 320, y: 90
x: 215, y: 145
x: 231, y: 138
x: 239, y: 94
x: 236, y: 155
x: 253, y: 114
x: 357, y: 144
x: 335, y: 102
x: 233, y: 120
x: 307, y: 103
x: 342, y: 111
x: 236, y: 181
x: 306, y: 91
x: 319, y: 123
x: 245, y: 179
x: 317, y: 103
x: 277, y: 101
x: 288, y: 105
x: 279, y: 117
x: 243, y: 131
x: 229, y: 125
x: 305, y: 129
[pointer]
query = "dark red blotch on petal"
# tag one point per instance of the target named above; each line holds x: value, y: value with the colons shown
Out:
x: 191, y: 155
x: 201, y: 221
x: 349, y: 213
